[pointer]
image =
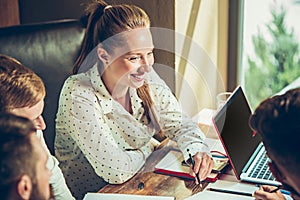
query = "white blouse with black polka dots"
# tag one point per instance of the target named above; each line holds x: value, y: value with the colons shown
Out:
x: 98, y: 141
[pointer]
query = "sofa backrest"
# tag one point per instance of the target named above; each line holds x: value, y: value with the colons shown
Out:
x: 50, y: 50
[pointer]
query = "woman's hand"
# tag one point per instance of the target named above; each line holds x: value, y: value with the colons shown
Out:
x: 264, y: 193
x: 203, y: 165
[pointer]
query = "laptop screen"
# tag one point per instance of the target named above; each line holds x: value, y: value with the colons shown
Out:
x: 232, y: 125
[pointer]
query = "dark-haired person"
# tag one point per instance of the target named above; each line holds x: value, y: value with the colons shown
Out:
x: 277, y: 120
x: 22, y: 93
x: 23, y: 171
x: 114, y: 104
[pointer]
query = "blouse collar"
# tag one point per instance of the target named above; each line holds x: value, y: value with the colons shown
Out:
x: 105, y: 99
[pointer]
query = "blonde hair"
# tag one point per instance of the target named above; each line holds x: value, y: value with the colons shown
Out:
x: 19, y: 86
x: 105, y: 21
x: 150, y: 111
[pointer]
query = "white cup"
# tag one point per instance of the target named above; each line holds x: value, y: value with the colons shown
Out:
x: 222, y: 98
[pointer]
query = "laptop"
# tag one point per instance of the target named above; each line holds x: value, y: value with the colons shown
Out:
x: 245, y: 149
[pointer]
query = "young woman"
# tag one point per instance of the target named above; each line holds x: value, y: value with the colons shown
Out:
x: 115, y: 103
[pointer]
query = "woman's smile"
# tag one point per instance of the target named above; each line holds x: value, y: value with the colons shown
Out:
x: 138, y: 77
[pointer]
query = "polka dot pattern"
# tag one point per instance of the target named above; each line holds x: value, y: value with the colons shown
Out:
x: 99, y: 142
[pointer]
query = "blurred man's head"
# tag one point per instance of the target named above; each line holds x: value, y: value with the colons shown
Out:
x: 23, y: 171
x: 277, y: 120
x: 24, y: 91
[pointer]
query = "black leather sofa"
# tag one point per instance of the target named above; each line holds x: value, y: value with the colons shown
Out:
x: 49, y: 49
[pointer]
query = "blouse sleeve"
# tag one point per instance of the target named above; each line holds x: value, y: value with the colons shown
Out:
x: 175, y: 124
x: 86, y: 123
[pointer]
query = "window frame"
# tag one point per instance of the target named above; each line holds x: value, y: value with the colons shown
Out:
x: 235, y: 43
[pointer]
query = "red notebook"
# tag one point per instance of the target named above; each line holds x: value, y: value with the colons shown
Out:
x: 171, y: 164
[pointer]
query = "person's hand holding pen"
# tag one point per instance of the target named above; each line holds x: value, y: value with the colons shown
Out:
x: 267, y: 192
x: 201, y: 165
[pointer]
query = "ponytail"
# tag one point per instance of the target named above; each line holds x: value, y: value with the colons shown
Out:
x: 95, y: 11
x: 150, y: 111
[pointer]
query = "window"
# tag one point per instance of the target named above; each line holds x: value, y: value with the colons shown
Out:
x: 270, y: 57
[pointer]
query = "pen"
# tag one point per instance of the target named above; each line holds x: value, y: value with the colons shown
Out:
x: 276, y: 189
x: 285, y: 192
x: 281, y: 190
x: 230, y: 192
x: 193, y: 165
x: 218, y: 156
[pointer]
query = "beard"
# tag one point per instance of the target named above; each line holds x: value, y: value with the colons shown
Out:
x: 36, y: 194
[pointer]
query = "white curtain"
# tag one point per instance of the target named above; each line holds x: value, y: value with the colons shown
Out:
x: 201, y: 52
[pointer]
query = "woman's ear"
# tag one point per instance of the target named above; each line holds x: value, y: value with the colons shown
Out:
x: 103, y: 55
x: 24, y: 187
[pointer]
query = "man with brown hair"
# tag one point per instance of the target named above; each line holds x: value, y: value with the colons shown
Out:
x: 23, y: 172
x: 277, y: 120
x: 22, y: 93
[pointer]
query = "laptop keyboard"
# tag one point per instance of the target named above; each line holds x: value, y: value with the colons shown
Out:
x: 261, y: 169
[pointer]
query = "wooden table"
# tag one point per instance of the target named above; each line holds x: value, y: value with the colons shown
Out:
x: 156, y: 184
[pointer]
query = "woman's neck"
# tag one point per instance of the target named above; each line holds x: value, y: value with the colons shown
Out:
x: 115, y: 89
x: 125, y: 102
x: 119, y: 93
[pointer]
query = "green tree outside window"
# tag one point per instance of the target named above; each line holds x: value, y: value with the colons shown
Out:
x: 277, y: 62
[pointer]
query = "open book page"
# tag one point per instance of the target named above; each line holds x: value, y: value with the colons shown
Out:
x: 113, y: 196
x: 173, y: 163
x: 225, y: 185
